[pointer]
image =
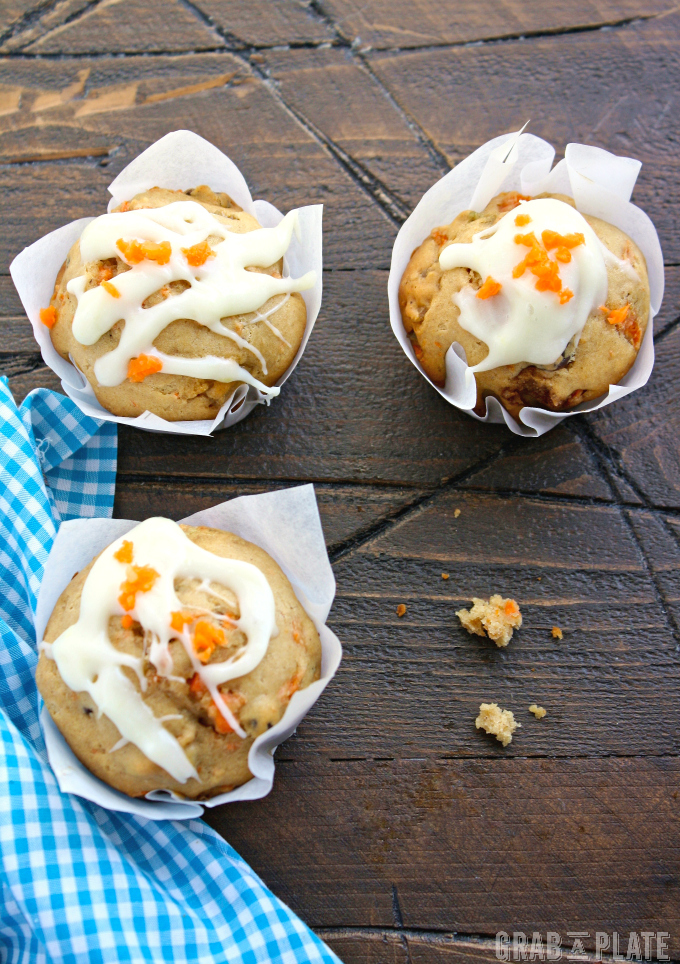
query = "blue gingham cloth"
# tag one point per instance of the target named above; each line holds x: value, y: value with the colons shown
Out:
x: 79, y: 883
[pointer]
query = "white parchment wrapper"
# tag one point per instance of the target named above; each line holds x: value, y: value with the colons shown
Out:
x: 285, y: 524
x: 179, y: 161
x: 600, y: 184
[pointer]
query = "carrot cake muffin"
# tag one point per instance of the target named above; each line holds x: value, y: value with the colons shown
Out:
x: 550, y: 305
x: 170, y: 653
x: 171, y: 301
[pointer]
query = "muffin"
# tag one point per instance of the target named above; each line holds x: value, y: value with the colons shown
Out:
x: 167, y: 305
x: 169, y: 654
x: 549, y: 305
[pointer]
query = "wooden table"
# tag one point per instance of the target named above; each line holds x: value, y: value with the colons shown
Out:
x: 398, y: 831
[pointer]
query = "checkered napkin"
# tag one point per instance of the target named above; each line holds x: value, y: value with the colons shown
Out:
x: 79, y: 883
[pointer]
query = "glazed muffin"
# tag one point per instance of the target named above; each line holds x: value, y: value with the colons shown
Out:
x: 549, y: 305
x: 170, y: 302
x: 169, y: 654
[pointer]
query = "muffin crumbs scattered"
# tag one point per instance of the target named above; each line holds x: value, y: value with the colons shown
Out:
x: 538, y: 711
x: 456, y: 513
x: 557, y: 632
x: 401, y: 610
x: 495, y: 618
x: 499, y: 723
x: 445, y: 575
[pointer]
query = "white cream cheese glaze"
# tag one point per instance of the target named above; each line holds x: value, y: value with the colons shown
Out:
x: 88, y: 662
x: 520, y: 323
x: 219, y: 288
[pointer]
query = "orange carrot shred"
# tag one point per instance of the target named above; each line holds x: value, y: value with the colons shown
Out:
x: 124, y: 554
x: 552, y: 239
x: 136, y: 251
x: 198, y: 254
x: 110, y: 289
x: 522, y: 219
x: 401, y: 610
x: 618, y: 316
x: 177, y: 620
x: 48, y: 316
x: 489, y: 289
x: 126, y: 621
x: 143, y: 365
x: 511, y: 607
x: 139, y: 579
x: 206, y: 639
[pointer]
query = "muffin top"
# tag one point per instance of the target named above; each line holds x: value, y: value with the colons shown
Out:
x: 173, y: 299
x: 549, y: 305
x: 170, y: 653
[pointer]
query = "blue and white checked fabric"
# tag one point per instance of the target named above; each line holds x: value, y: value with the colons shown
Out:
x: 79, y: 883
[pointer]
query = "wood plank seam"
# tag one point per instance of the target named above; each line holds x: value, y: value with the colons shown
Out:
x: 605, y: 456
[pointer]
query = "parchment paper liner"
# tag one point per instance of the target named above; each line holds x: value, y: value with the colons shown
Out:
x: 179, y: 161
x: 286, y: 524
x: 601, y: 185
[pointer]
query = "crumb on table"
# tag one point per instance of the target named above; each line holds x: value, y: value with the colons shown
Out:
x: 499, y: 723
x: 401, y: 610
x: 495, y: 618
x: 557, y: 632
x: 456, y: 513
x: 445, y: 575
x: 538, y: 711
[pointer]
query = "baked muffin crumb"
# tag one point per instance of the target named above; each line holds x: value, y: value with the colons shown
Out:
x: 495, y: 618
x: 557, y: 632
x: 538, y: 711
x: 497, y: 722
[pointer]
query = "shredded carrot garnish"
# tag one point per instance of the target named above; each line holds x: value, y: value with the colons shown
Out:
x: 541, y: 266
x: 106, y: 273
x: 206, y: 639
x: 618, y: 316
x: 218, y: 720
x: 522, y: 219
x: 139, y: 579
x: 489, y: 289
x: 603, y: 308
x: 511, y: 200
x: 125, y: 206
x: 110, y: 289
x: 552, y: 239
x: 292, y: 686
x: 48, y: 316
x: 198, y: 254
x: 566, y: 295
x: 177, y: 621
x: 126, y: 621
x: 124, y: 554
x: 143, y: 365
x: 136, y: 251
x: 197, y: 686
x: 511, y: 607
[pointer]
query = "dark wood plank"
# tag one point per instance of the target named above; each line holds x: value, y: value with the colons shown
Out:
x: 135, y: 26
x: 266, y: 23
x: 599, y: 87
x: 400, y: 946
x: 558, y: 463
x: 351, y: 109
x: 471, y: 846
x: 422, y: 677
x: 642, y: 430
x: 419, y: 23
x: 120, y: 106
x: 347, y: 512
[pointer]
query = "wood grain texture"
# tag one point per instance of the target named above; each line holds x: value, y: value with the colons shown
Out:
x: 611, y: 90
x: 641, y: 431
x: 472, y: 846
x: 266, y: 23
x: 394, y: 826
x: 419, y: 23
x: 133, y: 26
